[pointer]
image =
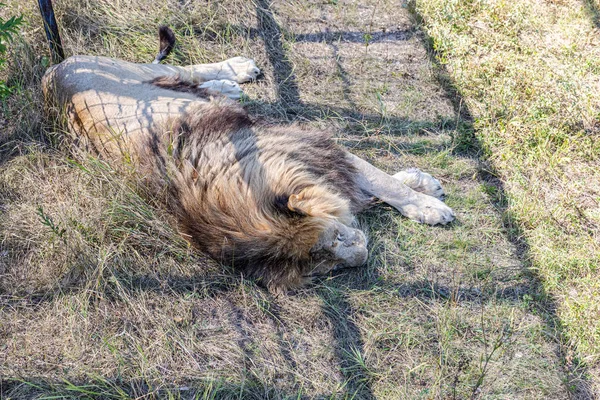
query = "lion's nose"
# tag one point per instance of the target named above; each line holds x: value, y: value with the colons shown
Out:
x: 357, y: 239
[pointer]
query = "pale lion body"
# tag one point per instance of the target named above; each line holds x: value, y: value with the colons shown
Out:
x: 277, y: 200
x: 108, y: 98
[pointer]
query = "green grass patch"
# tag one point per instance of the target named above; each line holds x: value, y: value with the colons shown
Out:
x: 525, y: 70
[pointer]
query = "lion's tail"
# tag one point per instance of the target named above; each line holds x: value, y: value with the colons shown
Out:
x: 166, y: 43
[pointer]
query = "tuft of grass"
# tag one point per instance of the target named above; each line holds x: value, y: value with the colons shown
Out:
x: 8, y: 28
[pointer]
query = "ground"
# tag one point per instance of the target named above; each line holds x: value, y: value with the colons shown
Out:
x: 101, y: 298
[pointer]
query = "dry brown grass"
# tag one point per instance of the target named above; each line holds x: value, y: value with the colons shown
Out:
x: 99, y: 298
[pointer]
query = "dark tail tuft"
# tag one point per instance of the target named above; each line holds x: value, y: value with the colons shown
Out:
x: 167, y: 43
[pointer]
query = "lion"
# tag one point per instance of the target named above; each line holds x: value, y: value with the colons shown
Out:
x: 277, y: 202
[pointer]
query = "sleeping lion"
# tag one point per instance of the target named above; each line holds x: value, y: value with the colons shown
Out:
x: 275, y: 201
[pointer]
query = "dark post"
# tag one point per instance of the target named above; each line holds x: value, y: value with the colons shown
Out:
x: 51, y: 29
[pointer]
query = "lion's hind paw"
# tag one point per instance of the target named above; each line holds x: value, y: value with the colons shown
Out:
x: 244, y: 69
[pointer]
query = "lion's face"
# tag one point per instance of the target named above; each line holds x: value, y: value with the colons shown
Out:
x: 339, y: 246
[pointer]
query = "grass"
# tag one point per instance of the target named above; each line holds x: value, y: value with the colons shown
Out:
x: 535, y: 111
x: 100, y: 297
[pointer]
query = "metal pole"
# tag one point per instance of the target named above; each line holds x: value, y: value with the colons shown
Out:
x: 51, y: 29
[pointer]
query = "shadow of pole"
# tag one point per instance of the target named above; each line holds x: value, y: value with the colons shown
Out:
x: 349, y: 346
x: 593, y: 11
x: 283, y: 71
x: 344, y: 77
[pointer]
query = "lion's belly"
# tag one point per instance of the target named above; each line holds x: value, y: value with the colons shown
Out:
x: 110, y: 103
x: 101, y: 113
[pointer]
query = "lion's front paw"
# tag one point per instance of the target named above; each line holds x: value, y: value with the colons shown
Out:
x: 243, y: 69
x: 421, y: 182
x: 428, y: 210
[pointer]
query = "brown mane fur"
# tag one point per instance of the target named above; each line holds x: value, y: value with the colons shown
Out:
x: 253, y: 196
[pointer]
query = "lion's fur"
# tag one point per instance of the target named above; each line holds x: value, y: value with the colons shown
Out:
x: 177, y: 84
x: 252, y: 195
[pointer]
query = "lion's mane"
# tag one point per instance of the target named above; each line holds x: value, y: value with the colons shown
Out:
x: 251, y: 195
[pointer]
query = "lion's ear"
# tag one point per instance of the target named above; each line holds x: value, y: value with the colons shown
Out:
x: 298, y: 204
x: 317, y: 201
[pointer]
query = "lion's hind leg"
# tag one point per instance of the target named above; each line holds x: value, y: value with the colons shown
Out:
x: 237, y: 69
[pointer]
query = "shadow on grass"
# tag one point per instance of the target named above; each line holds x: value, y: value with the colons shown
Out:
x: 287, y: 87
x: 32, y: 387
x: 593, y: 11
